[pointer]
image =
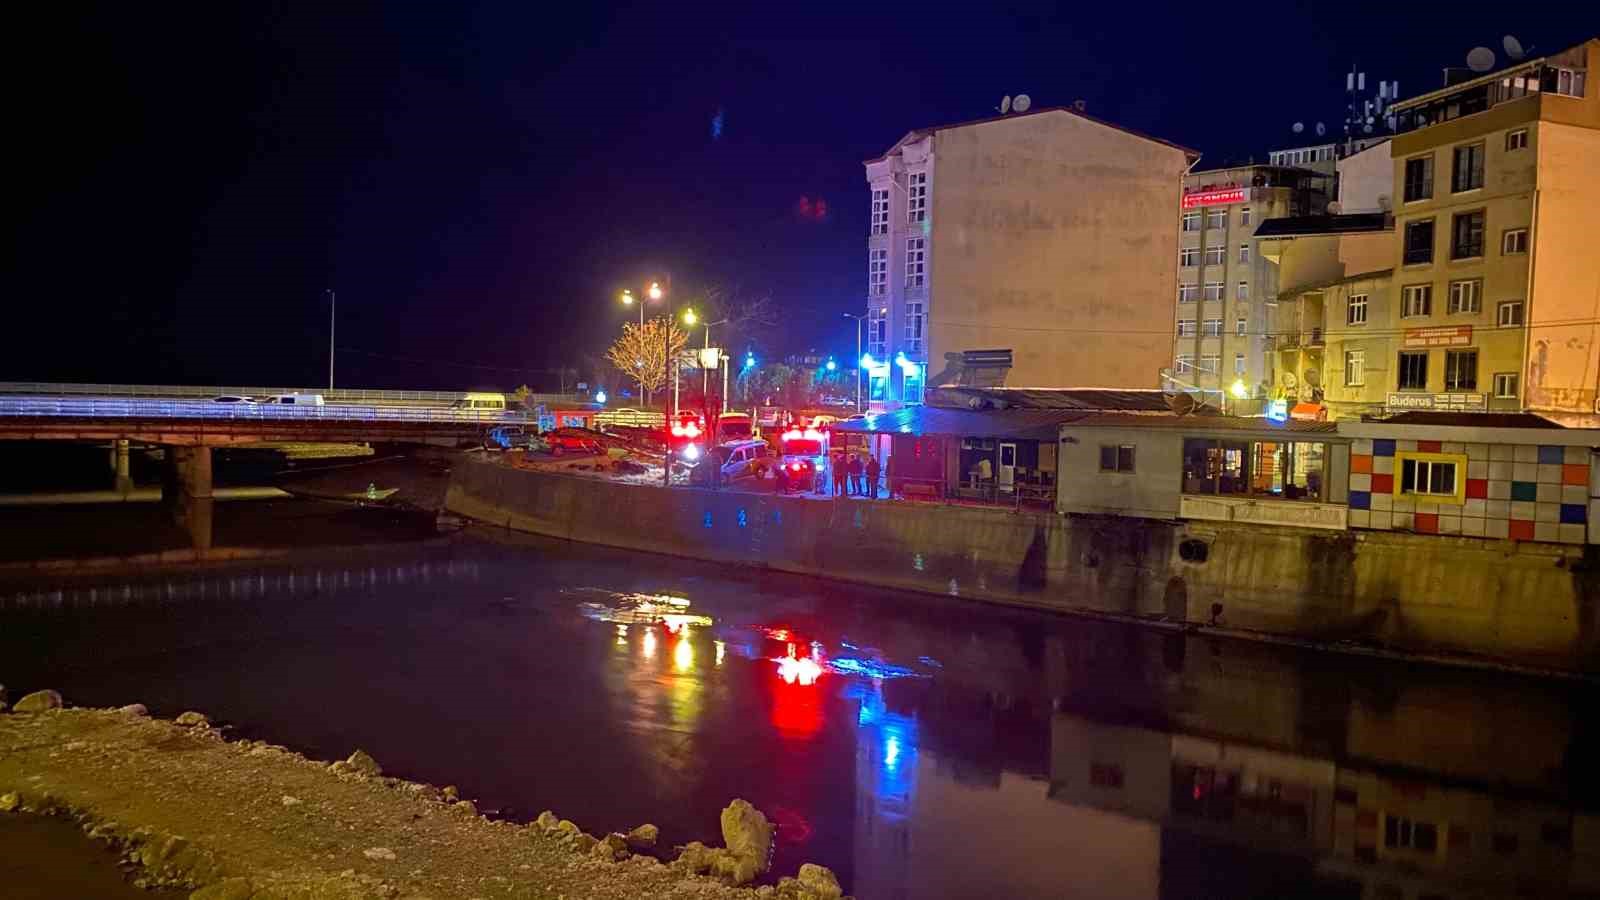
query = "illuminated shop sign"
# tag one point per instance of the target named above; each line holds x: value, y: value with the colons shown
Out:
x: 1219, y: 197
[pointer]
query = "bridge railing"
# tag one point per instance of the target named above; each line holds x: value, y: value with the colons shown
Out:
x: 114, y: 408
x: 358, y: 396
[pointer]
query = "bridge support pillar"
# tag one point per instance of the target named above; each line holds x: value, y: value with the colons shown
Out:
x: 186, y: 491
x: 119, y: 466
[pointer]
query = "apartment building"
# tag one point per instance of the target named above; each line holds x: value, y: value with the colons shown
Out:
x: 1224, y: 282
x: 1497, y: 278
x: 1047, y: 234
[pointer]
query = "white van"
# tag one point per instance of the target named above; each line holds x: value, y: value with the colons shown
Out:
x: 738, y: 459
x: 296, y: 400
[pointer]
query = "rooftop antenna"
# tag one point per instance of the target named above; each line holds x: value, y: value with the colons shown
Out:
x: 1021, y: 103
x: 1480, y: 59
x: 1513, y: 47
x: 1005, y: 104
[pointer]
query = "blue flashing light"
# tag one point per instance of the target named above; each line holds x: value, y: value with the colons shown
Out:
x: 832, y: 365
x: 600, y: 396
x: 749, y: 360
x: 867, y: 361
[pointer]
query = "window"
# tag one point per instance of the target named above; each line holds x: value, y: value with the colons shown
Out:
x: 1466, y: 235
x: 878, y: 272
x: 878, y: 333
x: 1191, y: 221
x: 1210, y: 363
x: 1461, y: 370
x: 914, y: 320
x: 1568, y: 82
x: 1419, y: 178
x: 1273, y: 469
x: 1184, y: 362
x: 1468, y: 172
x: 1241, y: 327
x: 1244, y: 253
x: 1413, y: 372
x: 1505, y: 385
x: 1416, y: 300
x: 1244, y: 215
x: 1517, y: 139
x: 1214, y: 255
x: 1405, y: 834
x: 1514, y: 240
x: 915, y: 376
x: 1355, y: 368
x: 1428, y: 474
x: 917, y: 197
x: 1356, y: 310
x: 1509, y: 314
x: 1212, y: 328
x: 1213, y: 290
x: 1188, y: 293
x: 1189, y: 256
x: 880, y: 212
x: 1217, y: 218
x: 1243, y: 293
x: 1466, y: 296
x: 916, y: 271
x: 1419, y: 242
x: 1238, y: 364
x: 1185, y: 328
x: 1116, y: 457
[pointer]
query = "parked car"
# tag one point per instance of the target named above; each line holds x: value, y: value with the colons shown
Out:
x: 233, y: 398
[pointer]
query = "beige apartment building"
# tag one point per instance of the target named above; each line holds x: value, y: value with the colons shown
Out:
x: 1225, y: 284
x: 1496, y: 273
x: 1047, y: 234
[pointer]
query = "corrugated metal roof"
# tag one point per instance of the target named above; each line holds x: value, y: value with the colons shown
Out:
x: 1123, y: 399
x: 1203, y: 423
x: 1019, y: 424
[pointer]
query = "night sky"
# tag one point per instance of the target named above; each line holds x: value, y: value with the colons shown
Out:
x: 478, y: 181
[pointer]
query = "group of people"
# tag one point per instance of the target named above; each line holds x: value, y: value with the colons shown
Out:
x: 852, y: 476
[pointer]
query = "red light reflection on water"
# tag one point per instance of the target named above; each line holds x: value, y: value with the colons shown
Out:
x: 796, y: 709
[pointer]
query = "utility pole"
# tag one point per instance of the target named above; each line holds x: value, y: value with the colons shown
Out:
x: 333, y: 304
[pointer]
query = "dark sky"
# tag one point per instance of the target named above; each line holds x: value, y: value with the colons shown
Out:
x: 478, y: 181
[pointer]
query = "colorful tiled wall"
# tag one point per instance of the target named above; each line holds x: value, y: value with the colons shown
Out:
x: 1517, y: 491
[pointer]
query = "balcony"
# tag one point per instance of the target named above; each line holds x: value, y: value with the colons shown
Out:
x: 1314, y: 338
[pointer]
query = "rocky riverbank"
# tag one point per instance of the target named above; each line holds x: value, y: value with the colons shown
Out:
x: 247, y: 820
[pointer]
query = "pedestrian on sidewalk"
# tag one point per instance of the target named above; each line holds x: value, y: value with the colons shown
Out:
x: 836, y: 472
x: 872, y: 477
x: 856, y: 474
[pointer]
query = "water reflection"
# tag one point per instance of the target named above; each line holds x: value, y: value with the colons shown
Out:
x: 921, y: 748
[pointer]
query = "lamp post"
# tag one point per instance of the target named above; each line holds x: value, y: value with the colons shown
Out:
x: 705, y: 374
x: 858, y: 317
x: 333, y: 304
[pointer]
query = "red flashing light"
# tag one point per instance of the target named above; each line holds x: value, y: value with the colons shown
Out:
x: 691, y: 430
x: 677, y: 430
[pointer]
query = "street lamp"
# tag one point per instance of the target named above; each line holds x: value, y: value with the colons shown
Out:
x: 859, y: 317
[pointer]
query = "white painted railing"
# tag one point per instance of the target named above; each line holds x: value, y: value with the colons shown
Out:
x: 114, y: 408
x: 176, y: 391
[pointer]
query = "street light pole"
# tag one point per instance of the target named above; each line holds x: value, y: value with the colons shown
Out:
x: 333, y: 304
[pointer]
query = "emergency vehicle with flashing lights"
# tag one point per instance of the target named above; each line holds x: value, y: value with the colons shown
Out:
x: 803, y: 454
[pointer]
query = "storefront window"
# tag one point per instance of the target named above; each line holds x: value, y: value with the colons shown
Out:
x: 878, y: 383
x: 1284, y: 470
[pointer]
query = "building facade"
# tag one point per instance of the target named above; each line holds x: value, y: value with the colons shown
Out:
x: 1028, y: 232
x: 1224, y: 281
x: 1498, y: 208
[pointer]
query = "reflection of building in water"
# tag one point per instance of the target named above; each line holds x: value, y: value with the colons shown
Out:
x: 886, y: 782
x: 1374, y: 831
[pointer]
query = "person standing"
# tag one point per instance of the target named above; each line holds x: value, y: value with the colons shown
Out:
x: 872, y: 477
x: 836, y: 470
x: 856, y: 473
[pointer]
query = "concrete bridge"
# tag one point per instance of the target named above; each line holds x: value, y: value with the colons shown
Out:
x: 190, y: 428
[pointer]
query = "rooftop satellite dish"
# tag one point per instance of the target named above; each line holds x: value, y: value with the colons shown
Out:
x: 1022, y: 103
x: 1298, y: 127
x: 1005, y: 104
x: 1182, y: 404
x: 1321, y: 129
x: 1366, y: 129
x: 1513, y: 47
x: 1480, y: 59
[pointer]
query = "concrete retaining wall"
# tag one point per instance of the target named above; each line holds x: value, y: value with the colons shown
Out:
x: 1528, y: 603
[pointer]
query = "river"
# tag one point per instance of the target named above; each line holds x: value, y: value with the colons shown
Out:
x: 921, y: 747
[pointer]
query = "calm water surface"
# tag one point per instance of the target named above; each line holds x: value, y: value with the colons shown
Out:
x: 920, y: 747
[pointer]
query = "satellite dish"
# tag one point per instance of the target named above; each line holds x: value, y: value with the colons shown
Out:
x: 1480, y: 59
x: 1022, y: 103
x: 1005, y: 104
x: 1182, y: 404
x: 1321, y: 129
x: 1312, y: 377
x: 1367, y: 129
x: 1298, y: 127
x: 1289, y: 380
x: 1513, y: 47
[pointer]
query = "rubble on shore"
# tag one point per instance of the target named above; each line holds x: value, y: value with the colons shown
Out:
x: 249, y: 820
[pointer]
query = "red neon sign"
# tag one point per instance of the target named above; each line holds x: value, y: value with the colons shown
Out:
x: 1220, y: 197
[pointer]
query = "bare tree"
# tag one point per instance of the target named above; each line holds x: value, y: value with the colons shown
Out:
x: 642, y: 353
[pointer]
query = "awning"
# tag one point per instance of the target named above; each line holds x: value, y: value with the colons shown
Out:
x: 1009, y: 424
